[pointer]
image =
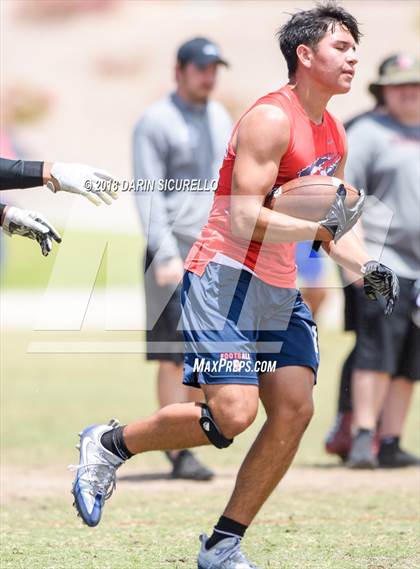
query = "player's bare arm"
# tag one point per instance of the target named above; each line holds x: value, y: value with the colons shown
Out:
x: 261, y: 142
x: 349, y: 252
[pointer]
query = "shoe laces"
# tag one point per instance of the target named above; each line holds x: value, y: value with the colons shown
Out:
x: 234, y: 553
x: 100, y: 478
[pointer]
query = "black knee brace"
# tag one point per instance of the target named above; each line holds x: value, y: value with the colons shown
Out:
x: 211, y: 430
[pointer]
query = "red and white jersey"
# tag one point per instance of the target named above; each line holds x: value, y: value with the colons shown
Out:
x: 313, y: 149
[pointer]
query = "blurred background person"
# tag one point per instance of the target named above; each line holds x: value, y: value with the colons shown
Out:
x: 384, y: 158
x: 180, y: 138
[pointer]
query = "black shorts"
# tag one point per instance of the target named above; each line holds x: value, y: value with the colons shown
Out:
x: 388, y: 344
x: 164, y: 337
x: 350, y: 307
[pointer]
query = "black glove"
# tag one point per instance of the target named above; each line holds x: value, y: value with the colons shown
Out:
x: 379, y: 279
x: 341, y: 218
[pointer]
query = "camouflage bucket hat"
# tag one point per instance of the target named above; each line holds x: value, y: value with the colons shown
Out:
x: 401, y: 69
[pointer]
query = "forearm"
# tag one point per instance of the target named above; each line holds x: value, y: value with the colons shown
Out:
x: 19, y: 174
x: 259, y: 223
x: 349, y: 252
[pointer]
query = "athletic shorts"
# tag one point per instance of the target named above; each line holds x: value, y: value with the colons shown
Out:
x: 389, y: 344
x: 237, y: 327
x: 164, y: 338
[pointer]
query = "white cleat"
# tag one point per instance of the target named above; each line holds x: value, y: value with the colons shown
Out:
x: 226, y: 554
x: 95, y: 474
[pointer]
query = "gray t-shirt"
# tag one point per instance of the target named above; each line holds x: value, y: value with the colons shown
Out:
x: 174, y: 142
x: 384, y: 159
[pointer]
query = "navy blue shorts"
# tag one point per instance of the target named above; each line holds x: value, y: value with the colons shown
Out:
x: 237, y: 327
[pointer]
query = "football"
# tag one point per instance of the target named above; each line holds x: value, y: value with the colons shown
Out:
x: 309, y: 197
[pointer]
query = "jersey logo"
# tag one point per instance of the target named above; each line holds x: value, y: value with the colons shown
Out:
x: 323, y: 166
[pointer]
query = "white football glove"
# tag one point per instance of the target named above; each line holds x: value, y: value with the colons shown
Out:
x: 30, y: 224
x: 96, y: 185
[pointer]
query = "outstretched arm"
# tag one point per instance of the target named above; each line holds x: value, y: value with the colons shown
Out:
x: 349, y: 252
x: 20, y: 174
x: 94, y: 184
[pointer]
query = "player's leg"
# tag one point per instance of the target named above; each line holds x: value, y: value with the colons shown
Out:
x: 206, y: 303
x: 232, y: 399
x: 287, y: 398
x: 170, y: 388
x: 165, y: 346
x: 104, y: 448
x: 178, y: 426
x: 286, y: 338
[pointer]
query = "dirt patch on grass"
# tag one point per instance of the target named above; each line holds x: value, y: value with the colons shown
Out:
x: 20, y: 483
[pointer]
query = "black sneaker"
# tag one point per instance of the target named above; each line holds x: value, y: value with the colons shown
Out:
x: 361, y: 454
x: 392, y: 456
x: 186, y: 465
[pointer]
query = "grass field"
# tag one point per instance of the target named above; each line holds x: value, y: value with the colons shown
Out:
x: 321, y: 517
x: 111, y: 258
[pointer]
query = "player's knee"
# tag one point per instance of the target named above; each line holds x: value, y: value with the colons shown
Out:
x: 296, y: 414
x: 234, y: 426
x: 236, y: 420
x: 235, y: 417
x: 303, y: 414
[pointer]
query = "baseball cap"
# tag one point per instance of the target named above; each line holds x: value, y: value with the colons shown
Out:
x: 400, y: 69
x: 201, y: 52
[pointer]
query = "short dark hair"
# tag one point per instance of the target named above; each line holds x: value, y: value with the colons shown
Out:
x: 308, y: 27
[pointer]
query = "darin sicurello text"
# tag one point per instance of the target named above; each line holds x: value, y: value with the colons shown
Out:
x: 168, y: 185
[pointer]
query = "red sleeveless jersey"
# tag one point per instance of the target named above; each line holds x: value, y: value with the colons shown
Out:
x: 313, y: 149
